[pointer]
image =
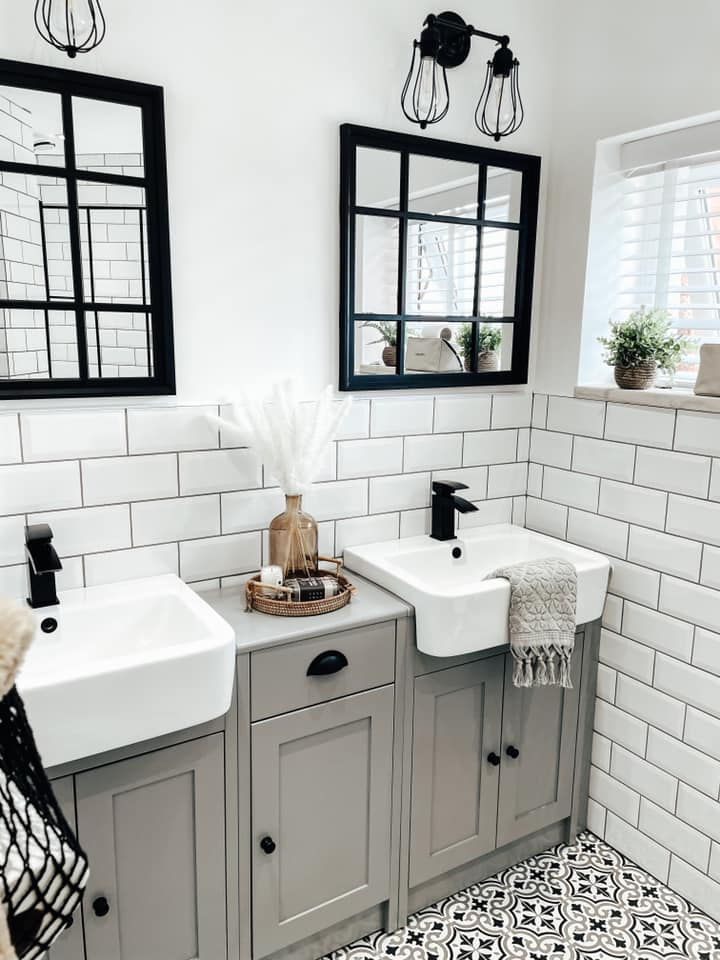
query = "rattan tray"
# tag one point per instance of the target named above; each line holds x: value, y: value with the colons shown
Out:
x: 256, y: 599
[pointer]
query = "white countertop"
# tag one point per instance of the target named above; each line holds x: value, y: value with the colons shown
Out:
x: 254, y: 630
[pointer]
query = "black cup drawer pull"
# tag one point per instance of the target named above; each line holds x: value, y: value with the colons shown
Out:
x: 331, y: 661
x: 100, y: 906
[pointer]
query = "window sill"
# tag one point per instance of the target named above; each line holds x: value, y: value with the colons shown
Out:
x: 676, y: 398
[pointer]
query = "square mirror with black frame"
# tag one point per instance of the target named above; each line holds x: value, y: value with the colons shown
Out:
x: 85, y: 290
x: 437, y: 259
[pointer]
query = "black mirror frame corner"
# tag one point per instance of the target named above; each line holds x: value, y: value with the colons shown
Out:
x: 352, y: 137
x: 149, y: 99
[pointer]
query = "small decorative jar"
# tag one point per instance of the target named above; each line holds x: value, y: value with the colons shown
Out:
x: 294, y: 540
x: 488, y: 362
x: 640, y: 377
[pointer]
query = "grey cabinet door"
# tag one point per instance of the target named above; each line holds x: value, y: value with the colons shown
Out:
x: 541, y: 724
x: 69, y: 945
x: 154, y: 830
x: 321, y: 790
x: 456, y: 725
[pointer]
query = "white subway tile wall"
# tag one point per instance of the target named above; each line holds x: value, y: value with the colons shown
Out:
x: 152, y: 490
x: 655, y: 785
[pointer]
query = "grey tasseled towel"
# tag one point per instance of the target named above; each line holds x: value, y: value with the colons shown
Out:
x: 543, y: 596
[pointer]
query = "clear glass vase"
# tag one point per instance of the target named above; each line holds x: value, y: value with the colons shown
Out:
x: 294, y: 540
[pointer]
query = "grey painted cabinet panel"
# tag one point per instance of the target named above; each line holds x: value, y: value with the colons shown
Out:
x: 540, y: 722
x: 456, y: 724
x: 69, y: 945
x: 154, y: 830
x: 322, y: 781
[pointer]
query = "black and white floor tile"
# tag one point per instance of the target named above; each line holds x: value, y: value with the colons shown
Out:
x: 576, y: 901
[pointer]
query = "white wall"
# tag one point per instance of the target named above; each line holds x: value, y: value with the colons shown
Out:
x: 254, y: 99
x: 626, y: 67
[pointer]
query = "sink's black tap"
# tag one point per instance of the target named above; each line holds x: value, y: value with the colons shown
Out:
x: 43, y: 562
x: 444, y: 504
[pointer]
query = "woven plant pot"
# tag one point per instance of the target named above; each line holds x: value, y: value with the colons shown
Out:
x: 488, y: 361
x: 389, y: 356
x: 639, y: 377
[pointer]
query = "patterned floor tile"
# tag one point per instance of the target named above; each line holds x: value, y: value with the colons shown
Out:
x: 576, y: 901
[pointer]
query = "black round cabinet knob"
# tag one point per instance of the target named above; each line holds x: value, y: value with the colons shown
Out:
x: 494, y: 759
x: 512, y: 752
x: 267, y: 845
x: 101, y: 908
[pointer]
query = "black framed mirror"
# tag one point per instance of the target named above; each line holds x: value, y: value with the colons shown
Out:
x: 437, y: 260
x: 85, y: 290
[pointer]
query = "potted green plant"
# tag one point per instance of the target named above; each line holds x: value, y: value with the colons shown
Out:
x: 641, y: 344
x: 388, y: 335
x: 489, y: 339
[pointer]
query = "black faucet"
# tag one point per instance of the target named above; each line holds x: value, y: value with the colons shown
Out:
x: 444, y: 504
x: 43, y: 562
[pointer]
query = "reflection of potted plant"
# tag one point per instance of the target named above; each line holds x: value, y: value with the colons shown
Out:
x: 464, y: 342
x: 489, y: 339
x: 639, y: 345
x: 388, y: 336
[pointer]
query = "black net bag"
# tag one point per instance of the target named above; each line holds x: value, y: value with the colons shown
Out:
x: 43, y: 871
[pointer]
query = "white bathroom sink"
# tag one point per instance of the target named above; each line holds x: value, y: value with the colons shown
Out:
x: 127, y: 662
x: 456, y: 609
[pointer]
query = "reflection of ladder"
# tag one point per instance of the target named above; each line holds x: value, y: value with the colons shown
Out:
x: 445, y: 272
x: 85, y: 212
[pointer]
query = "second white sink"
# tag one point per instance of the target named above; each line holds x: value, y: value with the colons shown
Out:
x: 126, y: 663
x: 456, y: 609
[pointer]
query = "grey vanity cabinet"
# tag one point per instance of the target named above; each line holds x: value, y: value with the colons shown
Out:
x: 456, y: 728
x: 154, y: 831
x: 321, y: 814
x: 538, y: 754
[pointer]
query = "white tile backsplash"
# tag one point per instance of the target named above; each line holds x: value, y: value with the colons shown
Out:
x: 699, y: 605
x: 120, y: 565
x: 251, y: 509
x: 658, y: 630
x: 371, y: 529
x: 703, y: 732
x: 164, y: 430
x: 436, y: 452
x: 490, y: 446
x: 224, y: 556
x: 674, y: 472
x: 475, y: 478
x: 89, y: 530
x: 598, y: 533
x: 641, y: 700
x: 507, y: 480
x: 10, y: 451
x: 706, y: 652
x: 121, y: 479
x: 697, y: 433
x: 666, y: 553
x: 687, y: 764
x: 391, y: 417
x: 402, y: 492
x: 572, y: 489
x: 369, y: 458
x: 623, y: 501
x: 183, y: 518
x: 462, y: 414
x: 633, y: 658
x: 218, y: 471
x: 693, y: 518
x: 568, y: 415
x: 604, y: 458
x: 688, y: 684
x: 12, y: 540
x: 640, y: 848
x: 699, y: 811
x: 674, y: 835
x: 27, y: 487
x: 73, y: 434
x: 649, y: 781
x: 648, y: 426
x: 552, y: 449
x: 511, y: 410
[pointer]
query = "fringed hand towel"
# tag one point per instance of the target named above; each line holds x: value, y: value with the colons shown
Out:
x: 543, y: 599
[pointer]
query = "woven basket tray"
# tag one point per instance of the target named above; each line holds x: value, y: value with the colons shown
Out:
x: 257, y: 599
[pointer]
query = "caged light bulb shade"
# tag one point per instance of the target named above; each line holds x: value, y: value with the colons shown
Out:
x: 75, y: 26
x: 425, y: 98
x: 500, y: 110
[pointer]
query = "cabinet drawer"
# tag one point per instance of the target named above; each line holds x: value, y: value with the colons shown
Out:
x: 279, y: 676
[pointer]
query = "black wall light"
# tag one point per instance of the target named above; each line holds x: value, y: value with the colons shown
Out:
x: 75, y: 26
x: 445, y: 43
